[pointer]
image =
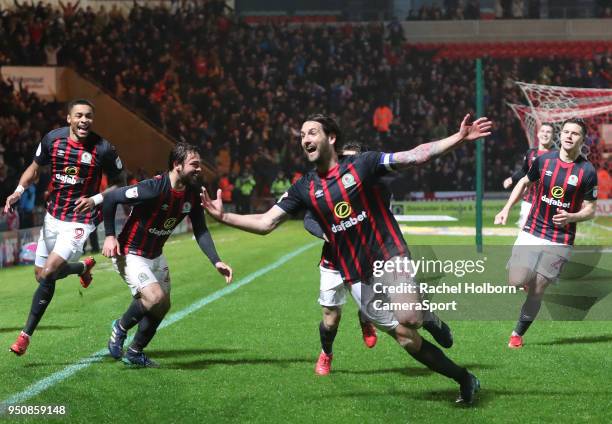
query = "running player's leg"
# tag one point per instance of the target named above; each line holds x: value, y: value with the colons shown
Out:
x: 48, y: 266
x: 533, y: 266
x: 44, y: 292
x: 531, y: 306
x: 155, y: 297
x: 332, y: 296
x: 402, y: 325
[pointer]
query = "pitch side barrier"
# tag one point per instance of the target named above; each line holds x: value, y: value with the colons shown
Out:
x: 18, y: 247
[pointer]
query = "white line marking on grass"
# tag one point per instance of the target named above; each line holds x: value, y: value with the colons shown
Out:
x: 601, y: 226
x: 57, y: 377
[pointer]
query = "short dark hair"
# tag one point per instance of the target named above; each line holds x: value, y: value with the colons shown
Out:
x: 578, y: 122
x: 330, y: 126
x: 179, y: 153
x: 75, y: 102
x: 548, y: 124
x: 356, y: 146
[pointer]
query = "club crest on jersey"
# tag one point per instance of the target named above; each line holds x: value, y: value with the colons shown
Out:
x: 572, y: 180
x: 557, y: 192
x: 142, y: 277
x: 342, y: 210
x: 348, y: 180
x: 548, y: 173
x: 86, y: 158
x: 164, y: 207
x: 78, y: 233
x: 318, y: 193
x: 186, y: 207
x: 60, y: 152
x: 132, y: 193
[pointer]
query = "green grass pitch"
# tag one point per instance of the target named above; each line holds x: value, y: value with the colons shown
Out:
x: 249, y: 355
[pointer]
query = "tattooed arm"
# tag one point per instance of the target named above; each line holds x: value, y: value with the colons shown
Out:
x: 425, y: 152
x: 261, y: 223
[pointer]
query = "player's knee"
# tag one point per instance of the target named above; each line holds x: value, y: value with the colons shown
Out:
x: 153, y: 296
x: 540, y: 285
x: 519, y: 277
x: 410, y: 319
x: 407, y: 338
x: 332, y: 316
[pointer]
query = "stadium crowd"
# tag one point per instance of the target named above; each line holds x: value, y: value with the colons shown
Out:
x: 204, y: 77
x: 505, y: 9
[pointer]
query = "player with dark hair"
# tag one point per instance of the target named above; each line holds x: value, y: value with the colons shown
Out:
x: 566, y: 194
x: 158, y: 205
x: 346, y: 198
x: 77, y: 157
x: 546, y: 135
x: 332, y: 290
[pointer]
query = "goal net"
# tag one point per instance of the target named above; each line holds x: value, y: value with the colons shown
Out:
x: 546, y: 103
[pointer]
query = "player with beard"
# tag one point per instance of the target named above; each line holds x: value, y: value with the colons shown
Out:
x: 546, y: 134
x: 77, y: 157
x: 332, y: 290
x: 346, y: 199
x: 158, y: 205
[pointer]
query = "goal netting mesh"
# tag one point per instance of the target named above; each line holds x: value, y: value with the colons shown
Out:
x: 546, y: 103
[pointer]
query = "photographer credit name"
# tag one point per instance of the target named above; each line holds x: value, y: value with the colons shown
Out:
x: 444, y: 288
x: 424, y: 288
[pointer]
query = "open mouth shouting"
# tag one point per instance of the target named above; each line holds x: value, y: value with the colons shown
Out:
x: 82, y: 129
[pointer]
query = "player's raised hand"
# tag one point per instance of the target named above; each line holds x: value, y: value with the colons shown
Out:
x: 10, y: 201
x: 477, y: 129
x: 225, y: 270
x: 501, y: 218
x: 507, y: 183
x: 84, y: 204
x: 562, y: 217
x: 111, y: 247
x: 213, y: 207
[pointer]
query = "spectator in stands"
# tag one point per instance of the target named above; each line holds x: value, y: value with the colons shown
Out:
x: 227, y: 188
x: 234, y: 105
x: 381, y: 120
x: 280, y: 185
x: 244, y: 187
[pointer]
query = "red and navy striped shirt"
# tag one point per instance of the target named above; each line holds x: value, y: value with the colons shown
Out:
x: 350, y: 204
x: 76, y: 171
x: 562, y: 185
x: 530, y: 155
x: 157, y: 210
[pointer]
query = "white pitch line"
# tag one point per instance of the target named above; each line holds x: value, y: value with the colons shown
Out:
x: 57, y: 377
